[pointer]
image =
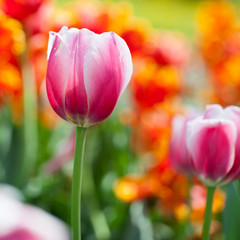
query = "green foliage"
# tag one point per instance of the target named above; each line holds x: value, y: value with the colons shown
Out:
x: 232, y: 212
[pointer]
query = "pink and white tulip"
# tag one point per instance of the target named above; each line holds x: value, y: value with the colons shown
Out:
x: 86, y: 74
x: 20, y: 221
x: 179, y: 155
x: 213, y: 143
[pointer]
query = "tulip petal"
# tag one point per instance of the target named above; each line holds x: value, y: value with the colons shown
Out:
x: 211, y: 145
x: 178, y: 150
x: 230, y: 113
x: 126, y: 60
x: 76, y: 103
x: 233, y: 113
x: 57, y: 76
x: 103, y: 76
x: 213, y: 111
x: 52, y: 36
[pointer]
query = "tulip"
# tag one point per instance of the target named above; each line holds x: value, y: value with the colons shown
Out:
x: 19, y: 221
x: 179, y: 155
x: 214, y: 145
x: 213, y: 142
x: 86, y: 74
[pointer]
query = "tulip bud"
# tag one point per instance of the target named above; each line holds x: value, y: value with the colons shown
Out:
x: 86, y: 74
x: 213, y: 143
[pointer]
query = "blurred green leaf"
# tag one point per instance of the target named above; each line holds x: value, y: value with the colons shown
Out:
x: 14, y: 158
x: 231, y: 215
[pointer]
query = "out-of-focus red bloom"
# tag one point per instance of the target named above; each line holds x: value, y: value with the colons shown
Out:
x: 151, y: 129
x: 20, y: 9
x: 136, y: 34
x: 152, y: 84
x: 41, y: 21
x: 93, y: 18
x: 11, y: 46
x: 171, y: 189
x: 160, y: 182
x: 219, y: 34
x: 168, y: 49
x: 198, y: 202
x: 198, y: 195
x: 158, y: 68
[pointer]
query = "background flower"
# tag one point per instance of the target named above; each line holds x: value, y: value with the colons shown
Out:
x: 22, y: 221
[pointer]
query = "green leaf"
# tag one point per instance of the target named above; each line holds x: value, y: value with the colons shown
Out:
x: 231, y: 214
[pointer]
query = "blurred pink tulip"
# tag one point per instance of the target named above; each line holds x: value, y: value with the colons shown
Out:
x: 86, y: 74
x: 20, y: 221
x: 179, y: 155
x: 214, y: 145
x: 20, y: 234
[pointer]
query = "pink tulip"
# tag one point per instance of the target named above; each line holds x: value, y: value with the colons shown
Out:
x: 213, y: 143
x: 86, y: 74
x: 20, y: 234
x: 19, y: 221
x: 179, y: 155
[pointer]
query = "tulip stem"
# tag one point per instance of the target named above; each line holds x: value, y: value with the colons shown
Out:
x: 77, y: 182
x: 208, y: 213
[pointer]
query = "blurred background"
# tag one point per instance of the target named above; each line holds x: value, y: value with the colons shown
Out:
x: 186, y: 54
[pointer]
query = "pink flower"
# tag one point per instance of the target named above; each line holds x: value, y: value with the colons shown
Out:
x: 20, y: 221
x: 179, y: 155
x: 86, y: 74
x: 20, y: 234
x: 213, y: 142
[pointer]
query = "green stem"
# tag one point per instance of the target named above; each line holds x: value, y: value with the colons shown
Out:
x: 208, y: 213
x: 186, y: 229
x: 30, y: 122
x: 77, y: 182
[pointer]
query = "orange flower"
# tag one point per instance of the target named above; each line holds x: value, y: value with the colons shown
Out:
x: 216, y: 18
x: 132, y: 188
x: 136, y: 34
x: 216, y: 24
x: 151, y: 128
x: 152, y: 84
x: 198, y: 202
x: 11, y: 46
x: 228, y: 72
x: 220, y: 44
x: 198, y: 205
x: 160, y: 182
x: 168, y: 49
